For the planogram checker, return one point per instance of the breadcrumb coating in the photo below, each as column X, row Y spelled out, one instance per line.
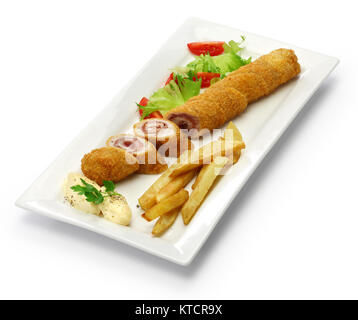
column 229, row 97
column 108, row 164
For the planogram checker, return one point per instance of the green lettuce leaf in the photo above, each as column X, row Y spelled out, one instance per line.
column 224, row 63
column 172, row 95
column 188, row 87
column 233, row 46
column 228, row 62
column 203, row 63
column 184, row 86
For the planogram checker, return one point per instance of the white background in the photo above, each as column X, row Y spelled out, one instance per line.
column 291, row 233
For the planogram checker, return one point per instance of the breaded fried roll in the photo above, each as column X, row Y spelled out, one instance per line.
column 231, row 101
column 229, row 97
column 150, row 162
column 251, row 85
column 108, row 164
column 276, row 68
column 165, row 135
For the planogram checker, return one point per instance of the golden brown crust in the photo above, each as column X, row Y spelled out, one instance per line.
column 270, row 75
column 285, row 62
column 215, row 116
column 155, row 168
column 108, row 164
column 209, row 113
column 251, row 85
column 276, row 68
column 229, row 97
column 231, row 101
column 151, row 162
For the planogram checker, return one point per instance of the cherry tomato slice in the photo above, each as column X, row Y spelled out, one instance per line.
column 171, row 77
column 206, row 78
column 214, row 48
column 155, row 114
column 144, row 101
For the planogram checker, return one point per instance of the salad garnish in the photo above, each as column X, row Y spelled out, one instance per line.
column 213, row 47
column 211, row 65
column 174, row 94
column 143, row 103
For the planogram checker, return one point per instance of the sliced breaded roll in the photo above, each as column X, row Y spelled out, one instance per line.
column 276, row 68
column 250, row 84
column 285, row 62
column 108, row 164
column 164, row 135
column 231, row 100
column 271, row 76
column 229, row 97
column 150, row 162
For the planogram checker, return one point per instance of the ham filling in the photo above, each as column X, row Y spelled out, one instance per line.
column 130, row 144
column 157, row 128
column 184, row 120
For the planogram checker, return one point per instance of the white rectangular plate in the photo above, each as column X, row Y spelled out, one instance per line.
column 261, row 125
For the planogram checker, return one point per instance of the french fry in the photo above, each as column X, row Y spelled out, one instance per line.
column 175, row 185
column 165, row 222
column 231, row 132
column 168, row 204
column 149, row 197
column 183, row 168
column 206, row 154
column 196, row 198
column 236, row 157
column 199, row 176
column 232, row 160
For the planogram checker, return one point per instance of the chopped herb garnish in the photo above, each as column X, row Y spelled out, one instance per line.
column 94, row 195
